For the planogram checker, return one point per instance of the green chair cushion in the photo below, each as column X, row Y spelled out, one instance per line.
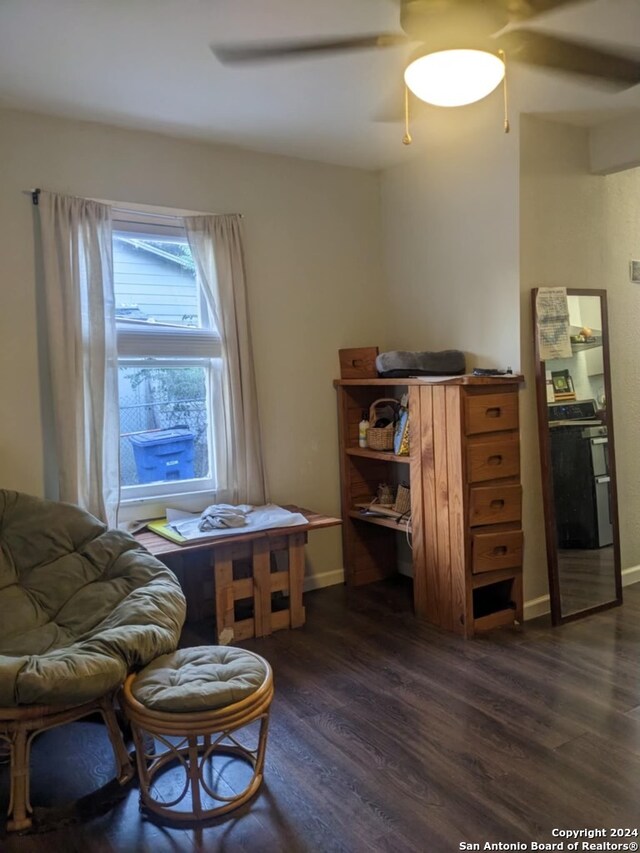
column 201, row 678
column 81, row 606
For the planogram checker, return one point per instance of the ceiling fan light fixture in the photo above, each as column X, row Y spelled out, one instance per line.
column 453, row 78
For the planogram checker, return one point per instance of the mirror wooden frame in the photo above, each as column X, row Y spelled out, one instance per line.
column 545, row 462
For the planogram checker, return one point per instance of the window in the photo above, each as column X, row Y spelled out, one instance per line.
column 168, row 359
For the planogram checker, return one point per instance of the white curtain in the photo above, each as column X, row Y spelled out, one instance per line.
column 81, row 330
column 216, row 246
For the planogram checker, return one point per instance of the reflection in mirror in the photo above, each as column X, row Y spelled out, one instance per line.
column 576, row 446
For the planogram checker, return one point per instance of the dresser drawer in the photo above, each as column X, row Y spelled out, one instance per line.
column 493, row 551
column 495, row 504
column 491, row 460
column 490, row 412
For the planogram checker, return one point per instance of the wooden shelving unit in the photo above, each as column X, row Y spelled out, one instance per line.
column 381, row 455
column 391, row 523
column 466, row 498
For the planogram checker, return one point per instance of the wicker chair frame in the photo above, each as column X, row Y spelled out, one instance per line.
column 21, row 724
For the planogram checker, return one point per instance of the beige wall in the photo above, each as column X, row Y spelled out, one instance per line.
column 580, row 230
column 473, row 214
column 560, row 242
column 450, row 224
column 314, row 270
column 613, row 145
column 620, row 243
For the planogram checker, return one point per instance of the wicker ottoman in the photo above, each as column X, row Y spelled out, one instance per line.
column 197, row 705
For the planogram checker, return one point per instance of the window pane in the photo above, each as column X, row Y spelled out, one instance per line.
column 155, row 281
column 164, row 429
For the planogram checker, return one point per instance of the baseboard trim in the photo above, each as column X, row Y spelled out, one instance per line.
column 631, row 575
column 540, row 606
column 536, row 607
column 532, row 609
column 323, row 579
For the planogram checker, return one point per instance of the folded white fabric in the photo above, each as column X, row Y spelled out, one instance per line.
column 218, row 516
column 258, row 518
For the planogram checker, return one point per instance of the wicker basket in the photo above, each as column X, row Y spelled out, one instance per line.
column 403, row 499
column 380, row 438
column 384, row 495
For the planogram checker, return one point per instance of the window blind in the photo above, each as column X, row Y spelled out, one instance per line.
column 158, row 340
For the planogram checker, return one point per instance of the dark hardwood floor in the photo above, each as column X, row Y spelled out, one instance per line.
column 387, row 735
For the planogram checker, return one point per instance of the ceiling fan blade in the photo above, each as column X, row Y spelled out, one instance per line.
column 247, row 53
column 536, row 48
column 520, row 10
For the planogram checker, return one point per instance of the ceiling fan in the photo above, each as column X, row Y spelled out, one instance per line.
column 438, row 25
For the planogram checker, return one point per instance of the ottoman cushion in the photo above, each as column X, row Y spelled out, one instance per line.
column 201, row 678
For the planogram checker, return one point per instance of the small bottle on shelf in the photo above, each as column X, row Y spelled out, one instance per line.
column 363, row 426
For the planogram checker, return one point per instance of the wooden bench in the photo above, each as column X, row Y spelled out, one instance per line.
column 249, row 554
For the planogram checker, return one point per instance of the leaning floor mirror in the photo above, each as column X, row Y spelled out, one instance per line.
column 573, row 387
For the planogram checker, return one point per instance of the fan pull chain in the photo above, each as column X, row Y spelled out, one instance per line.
column 505, row 92
column 406, row 139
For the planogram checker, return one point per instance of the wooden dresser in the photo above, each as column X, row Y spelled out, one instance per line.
column 466, row 497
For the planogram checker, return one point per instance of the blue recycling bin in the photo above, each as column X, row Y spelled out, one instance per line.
column 164, row 454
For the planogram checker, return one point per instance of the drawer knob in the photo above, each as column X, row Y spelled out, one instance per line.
column 500, row 550
column 498, row 503
column 493, row 412
column 495, row 460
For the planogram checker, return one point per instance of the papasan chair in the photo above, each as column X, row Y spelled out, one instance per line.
column 81, row 606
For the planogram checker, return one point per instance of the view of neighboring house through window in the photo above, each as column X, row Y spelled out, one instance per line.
column 167, row 352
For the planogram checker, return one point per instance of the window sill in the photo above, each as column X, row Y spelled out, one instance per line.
column 151, row 507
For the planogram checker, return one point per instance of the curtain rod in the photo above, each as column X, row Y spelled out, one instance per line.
column 143, row 212
column 164, row 215
column 35, row 196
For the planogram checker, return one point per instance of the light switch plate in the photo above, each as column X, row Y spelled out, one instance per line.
column 634, row 271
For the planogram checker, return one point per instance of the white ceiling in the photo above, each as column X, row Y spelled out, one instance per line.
column 147, row 64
